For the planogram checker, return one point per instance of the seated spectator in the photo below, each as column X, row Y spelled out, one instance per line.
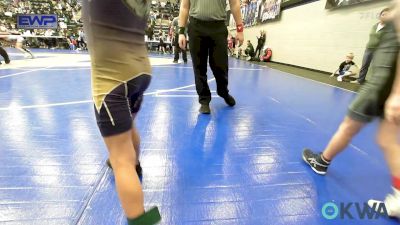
column 266, row 57
column 346, row 68
column 249, row 52
column 65, row 10
column 74, row 43
column 71, row 44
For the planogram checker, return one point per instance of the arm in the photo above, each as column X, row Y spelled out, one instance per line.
column 183, row 18
column 341, row 66
column 336, row 71
column 235, row 10
column 184, row 13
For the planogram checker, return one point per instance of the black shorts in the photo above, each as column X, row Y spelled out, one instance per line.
column 115, row 115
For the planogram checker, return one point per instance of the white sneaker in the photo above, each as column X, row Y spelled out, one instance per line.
column 392, row 204
column 340, row 78
column 354, row 82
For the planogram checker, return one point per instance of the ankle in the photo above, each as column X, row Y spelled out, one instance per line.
column 325, row 159
column 147, row 218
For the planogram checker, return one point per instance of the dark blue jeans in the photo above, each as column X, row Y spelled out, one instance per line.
column 368, row 56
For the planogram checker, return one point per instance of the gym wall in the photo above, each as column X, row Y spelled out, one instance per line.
column 313, row 37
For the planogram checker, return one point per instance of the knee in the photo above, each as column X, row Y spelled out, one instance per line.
column 350, row 127
column 118, row 161
column 121, row 151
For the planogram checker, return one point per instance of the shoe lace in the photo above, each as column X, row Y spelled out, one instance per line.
column 312, row 161
column 315, row 163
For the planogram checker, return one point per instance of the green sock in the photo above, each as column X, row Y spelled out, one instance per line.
column 150, row 217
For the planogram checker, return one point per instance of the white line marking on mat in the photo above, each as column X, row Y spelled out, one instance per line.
column 91, row 101
column 29, row 71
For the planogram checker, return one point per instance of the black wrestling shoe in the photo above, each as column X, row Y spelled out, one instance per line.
column 229, row 100
column 205, row 109
column 315, row 161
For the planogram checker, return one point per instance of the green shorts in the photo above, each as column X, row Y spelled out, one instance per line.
column 372, row 96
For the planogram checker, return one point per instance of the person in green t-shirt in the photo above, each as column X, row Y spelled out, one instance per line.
column 374, row 38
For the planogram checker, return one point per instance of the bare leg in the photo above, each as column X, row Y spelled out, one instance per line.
column 136, row 140
column 345, row 133
column 346, row 74
column 123, row 159
column 388, row 140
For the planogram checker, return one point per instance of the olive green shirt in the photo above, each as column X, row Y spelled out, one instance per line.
column 372, row 96
column 375, row 36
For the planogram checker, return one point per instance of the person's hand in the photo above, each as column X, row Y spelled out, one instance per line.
column 240, row 38
column 392, row 109
column 182, row 41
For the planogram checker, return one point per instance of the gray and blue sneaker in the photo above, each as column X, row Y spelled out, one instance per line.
column 315, row 161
